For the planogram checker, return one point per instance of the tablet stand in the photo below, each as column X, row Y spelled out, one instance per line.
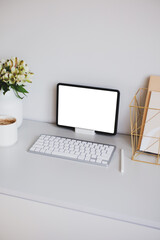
column 84, row 131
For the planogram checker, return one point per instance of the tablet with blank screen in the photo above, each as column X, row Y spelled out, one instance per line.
column 88, row 108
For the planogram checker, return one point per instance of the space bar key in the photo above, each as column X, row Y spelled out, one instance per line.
column 62, row 154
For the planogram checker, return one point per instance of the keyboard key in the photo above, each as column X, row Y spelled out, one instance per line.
column 104, row 162
column 32, row 149
column 68, row 155
column 99, row 159
column 92, row 160
column 108, row 155
column 87, row 159
column 81, row 157
column 48, row 151
column 37, row 149
column 42, row 150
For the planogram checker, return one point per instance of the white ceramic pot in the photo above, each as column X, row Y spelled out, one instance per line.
column 11, row 105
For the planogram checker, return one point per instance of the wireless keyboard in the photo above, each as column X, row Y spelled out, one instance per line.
column 77, row 150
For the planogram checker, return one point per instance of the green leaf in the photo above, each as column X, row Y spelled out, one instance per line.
column 17, row 95
column 4, row 86
column 29, row 81
column 21, row 89
column 18, row 89
column 8, row 69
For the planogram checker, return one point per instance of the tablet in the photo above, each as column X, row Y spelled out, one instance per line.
column 85, row 107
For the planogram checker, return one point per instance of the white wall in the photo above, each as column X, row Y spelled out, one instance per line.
column 105, row 43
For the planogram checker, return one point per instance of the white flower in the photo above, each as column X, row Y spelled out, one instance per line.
column 9, row 63
column 10, row 75
column 6, row 75
column 21, row 77
column 11, row 81
column 26, row 68
column 3, row 71
column 28, row 76
column 12, row 69
column 16, row 71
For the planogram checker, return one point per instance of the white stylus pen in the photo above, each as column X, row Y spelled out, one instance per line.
column 122, row 161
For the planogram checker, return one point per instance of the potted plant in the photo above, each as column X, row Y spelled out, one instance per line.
column 14, row 74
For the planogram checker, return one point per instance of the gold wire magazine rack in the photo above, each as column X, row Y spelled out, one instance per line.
column 137, row 111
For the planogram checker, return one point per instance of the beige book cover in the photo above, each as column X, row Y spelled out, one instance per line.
column 151, row 134
column 154, row 85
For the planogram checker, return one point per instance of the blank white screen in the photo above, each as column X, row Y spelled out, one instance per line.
column 86, row 108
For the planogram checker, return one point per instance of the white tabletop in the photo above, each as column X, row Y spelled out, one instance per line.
column 133, row 197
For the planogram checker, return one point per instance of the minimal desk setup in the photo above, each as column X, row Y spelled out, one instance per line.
column 124, row 193
column 132, row 197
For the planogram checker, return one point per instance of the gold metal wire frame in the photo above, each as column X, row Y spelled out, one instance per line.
column 137, row 109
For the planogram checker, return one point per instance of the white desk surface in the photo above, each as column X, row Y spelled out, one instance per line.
column 133, row 197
